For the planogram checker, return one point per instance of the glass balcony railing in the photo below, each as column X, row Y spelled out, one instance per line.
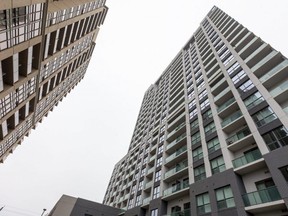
column 176, row 188
column 238, row 135
column 279, row 89
column 231, row 118
column 178, row 139
column 226, row 104
column 180, row 166
column 266, row 120
column 247, row 158
column 176, row 129
column 274, row 70
column 185, row 212
column 146, row 200
column 148, row 184
column 221, row 94
column 150, row 170
column 261, row 196
column 176, row 153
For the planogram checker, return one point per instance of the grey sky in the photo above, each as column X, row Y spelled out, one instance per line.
column 75, row 149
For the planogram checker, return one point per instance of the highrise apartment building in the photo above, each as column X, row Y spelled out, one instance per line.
column 211, row 136
column 45, row 49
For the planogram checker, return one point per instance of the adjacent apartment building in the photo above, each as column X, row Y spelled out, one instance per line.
column 45, row 49
column 211, row 136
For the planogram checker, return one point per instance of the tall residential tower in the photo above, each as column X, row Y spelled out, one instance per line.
column 45, row 48
column 211, row 136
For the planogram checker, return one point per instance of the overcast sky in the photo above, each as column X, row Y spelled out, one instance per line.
column 74, row 150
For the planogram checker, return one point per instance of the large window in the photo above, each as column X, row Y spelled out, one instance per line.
column 199, row 173
column 253, row 100
column 204, row 104
column 156, row 192
column 276, row 138
column 224, row 197
column 284, row 171
column 238, row 76
column 264, row 116
column 154, row 212
column 213, row 145
column 138, row 200
column 210, row 128
column 140, row 186
column 197, row 154
column 159, row 161
column 203, row 203
column 158, row 176
column 246, row 86
column 218, row 165
column 233, row 68
column 195, row 138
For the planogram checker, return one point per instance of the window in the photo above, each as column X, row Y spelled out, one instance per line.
column 213, row 145
column 228, row 60
column 203, row 203
column 158, row 176
column 133, row 189
column 197, row 154
column 217, row 165
column 191, row 94
column 140, row 186
column 276, row 138
column 199, row 173
column 161, row 138
column 195, row 138
column 160, row 149
column 253, row 100
column 159, row 162
column 246, row 86
column 238, row 76
column 193, row 113
column 194, row 124
column 264, row 116
column 233, row 68
column 156, row 192
column 138, row 200
column 192, row 103
column 284, row 171
column 130, row 204
column 200, row 85
column 207, row 115
column 202, row 94
column 142, row 172
column 145, row 160
column 209, row 129
column 154, row 212
column 204, row 104
column 224, row 197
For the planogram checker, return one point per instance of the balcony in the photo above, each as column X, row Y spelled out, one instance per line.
column 280, row 92
column 225, row 105
column 261, row 196
column 178, row 152
column 238, row 135
column 146, row 201
column 175, row 142
column 148, row 185
column 220, row 95
column 277, row 69
column 179, row 190
column 231, row 118
column 176, row 170
column 177, row 129
column 248, row 162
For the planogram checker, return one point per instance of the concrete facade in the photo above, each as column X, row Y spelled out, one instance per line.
column 211, row 136
column 45, row 47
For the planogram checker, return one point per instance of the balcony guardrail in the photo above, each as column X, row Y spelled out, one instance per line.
column 176, row 153
column 176, row 188
column 148, row 184
column 231, row 118
column 247, row 158
column 226, row 104
column 282, row 87
column 261, row 196
column 176, row 129
column 178, row 139
column 180, row 166
column 266, row 120
column 238, row 135
column 146, row 200
column 221, row 94
column 274, row 70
